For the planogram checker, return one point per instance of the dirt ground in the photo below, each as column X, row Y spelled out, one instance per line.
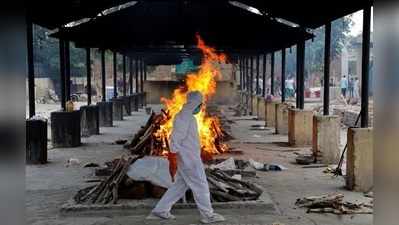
column 51, row 185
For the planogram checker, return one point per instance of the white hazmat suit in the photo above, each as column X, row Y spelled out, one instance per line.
column 190, row 173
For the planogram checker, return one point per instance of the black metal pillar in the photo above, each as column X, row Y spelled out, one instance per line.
column 103, row 75
column 327, row 49
column 145, row 70
column 62, row 73
column 115, row 80
column 300, row 73
column 31, row 68
column 141, row 76
column 257, row 74
column 283, row 75
column 247, row 84
column 272, row 74
column 130, row 76
column 124, row 75
column 240, row 66
column 67, row 71
column 136, row 67
column 365, row 68
column 251, row 84
column 88, row 74
column 264, row 75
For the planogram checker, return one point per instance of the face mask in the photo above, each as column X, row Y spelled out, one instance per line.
column 197, row 110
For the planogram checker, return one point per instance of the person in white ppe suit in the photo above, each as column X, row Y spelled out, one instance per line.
column 190, row 173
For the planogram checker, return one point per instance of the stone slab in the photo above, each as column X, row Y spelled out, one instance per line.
column 300, row 127
column 359, row 159
column 326, row 139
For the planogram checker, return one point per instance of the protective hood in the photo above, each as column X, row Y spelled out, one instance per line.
column 194, row 99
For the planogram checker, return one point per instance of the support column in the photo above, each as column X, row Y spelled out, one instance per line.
column 67, row 71
column 104, row 107
column 115, row 71
column 141, row 76
column 130, row 76
column 137, row 75
column 88, row 75
column 300, row 73
column 241, row 74
column 62, row 73
column 31, row 69
column 257, row 75
column 251, row 85
column 272, row 75
column 124, row 75
column 264, row 75
column 103, row 78
column 365, row 67
column 327, row 49
column 283, row 75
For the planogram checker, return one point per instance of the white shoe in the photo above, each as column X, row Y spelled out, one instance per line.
column 214, row 218
column 160, row 215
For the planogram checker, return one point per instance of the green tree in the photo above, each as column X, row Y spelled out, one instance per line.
column 314, row 53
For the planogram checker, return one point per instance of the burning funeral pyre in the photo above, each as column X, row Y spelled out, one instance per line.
column 153, row 140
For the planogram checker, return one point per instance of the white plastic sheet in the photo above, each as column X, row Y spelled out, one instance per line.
column 152, row 169
column 227, row 164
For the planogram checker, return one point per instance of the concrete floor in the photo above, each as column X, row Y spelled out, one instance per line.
column 49, row 186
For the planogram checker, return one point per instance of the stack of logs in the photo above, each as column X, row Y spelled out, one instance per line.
column 146, row 142
column 107, row 190
column 224, row 188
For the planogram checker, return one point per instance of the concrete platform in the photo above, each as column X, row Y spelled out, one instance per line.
column 89, row 120
column 270, row 113
column 36, row 141
column 134, row 105
column 300, row 127
column 143, row 207
column 326, row 139
column 65, row 129
column 359, row 166
column 281, row 125
column 105, row 114
column 127, row 110
column 117, row 109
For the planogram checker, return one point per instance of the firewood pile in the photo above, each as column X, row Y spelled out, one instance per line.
column 333, row 203
column 224, row 188
column 147, row 142
column 107, row 190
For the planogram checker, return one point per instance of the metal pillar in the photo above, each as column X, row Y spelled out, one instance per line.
column 31, row 68
column 130, row 76
column 251, row 84
column 67, row 71
column 145, row 70
column 115, row 80
column 141, row 76
column 257, row 74
column 240, row 65
column 365, row 67
column 88, row 75
column 272, row 74
column 103, row 75
column 283, row 75
column 327, row 59
column 300, row 73
column 136, row 67
column 62, row 73
column 124, row 75
column 264, row 75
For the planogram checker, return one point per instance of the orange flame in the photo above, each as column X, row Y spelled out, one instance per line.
column 203, row 81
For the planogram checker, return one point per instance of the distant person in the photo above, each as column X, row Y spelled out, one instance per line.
column 344, row 86
column 350, row 87
column 289, row 87
column 356, row 88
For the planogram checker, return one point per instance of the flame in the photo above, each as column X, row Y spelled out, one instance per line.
column 204, row 81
